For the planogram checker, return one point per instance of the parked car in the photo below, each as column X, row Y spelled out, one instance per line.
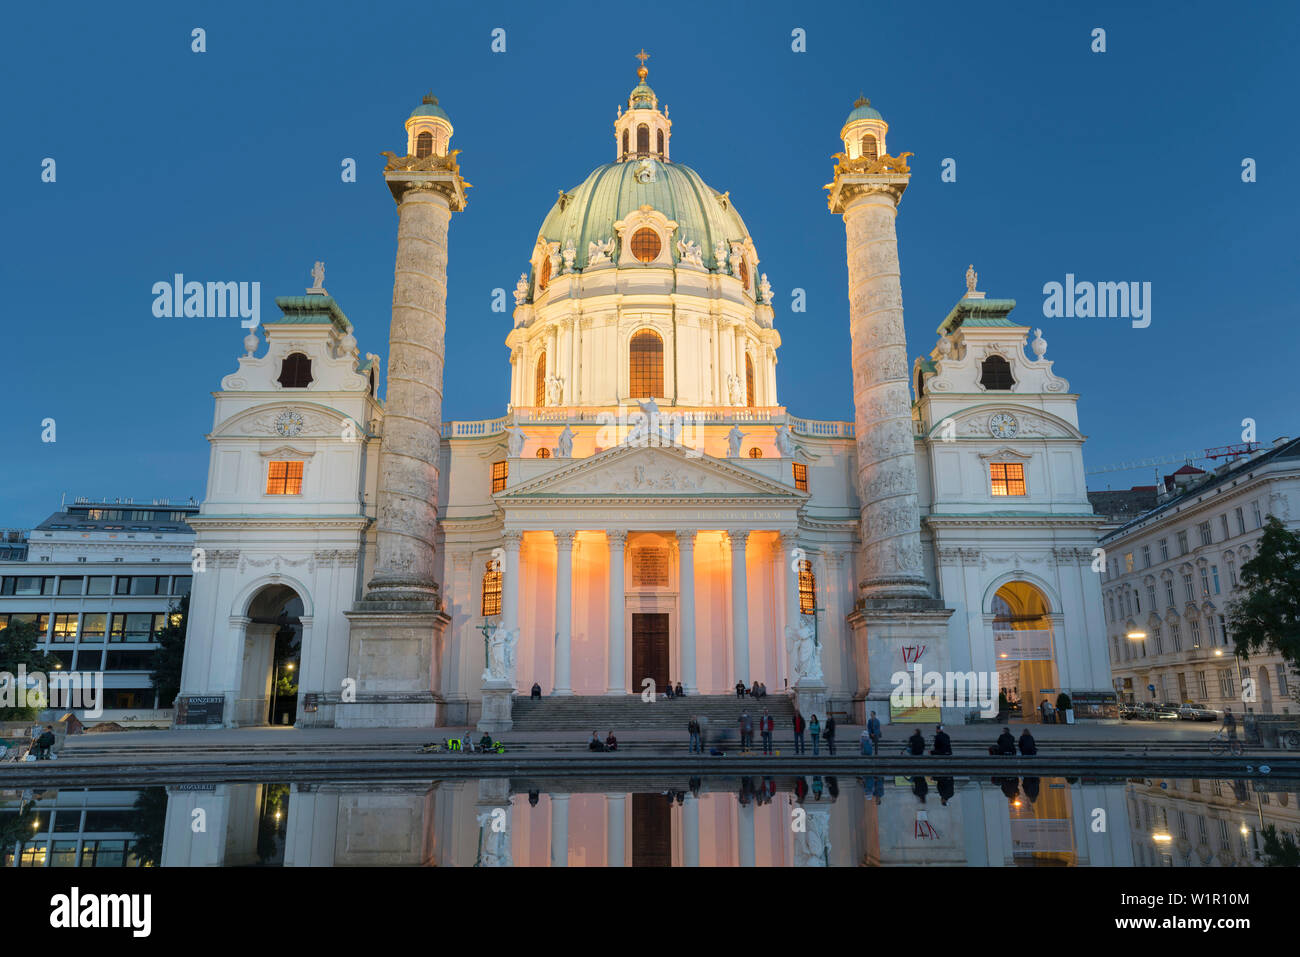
column 1165, row 712
column 1128, row 712
column 1197, row 712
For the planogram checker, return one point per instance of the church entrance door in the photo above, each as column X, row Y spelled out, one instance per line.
column 651, row 829
column 649, row 650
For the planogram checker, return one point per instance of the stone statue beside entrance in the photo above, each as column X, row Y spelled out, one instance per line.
column 501, row 654
column 804, row 654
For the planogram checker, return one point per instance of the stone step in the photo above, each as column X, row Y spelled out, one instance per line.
column 597, row 712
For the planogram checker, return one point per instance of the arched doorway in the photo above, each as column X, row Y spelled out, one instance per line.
column 268, row 687
column 1023, row 648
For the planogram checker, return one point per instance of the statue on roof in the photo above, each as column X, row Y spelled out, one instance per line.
column 971, row 278
column 318, row 280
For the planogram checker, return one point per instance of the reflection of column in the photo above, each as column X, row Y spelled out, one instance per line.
column 686, row 627
column 617, row 602
column 559, row 830
column 510, row 585
column 739, row 605
column 745, row 834
column 563, row 611
column 691, row 832
column 616, row 809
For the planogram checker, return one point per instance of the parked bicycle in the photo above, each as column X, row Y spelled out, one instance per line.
column 1221, row 745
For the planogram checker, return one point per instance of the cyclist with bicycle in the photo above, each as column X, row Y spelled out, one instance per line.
column 1229, row 725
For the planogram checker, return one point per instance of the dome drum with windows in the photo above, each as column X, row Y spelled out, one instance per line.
column 643, row 248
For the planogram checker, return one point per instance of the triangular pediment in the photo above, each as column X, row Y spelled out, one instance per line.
column 639, row 472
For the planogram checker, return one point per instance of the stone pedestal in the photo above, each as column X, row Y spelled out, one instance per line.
column 393, row 658
column 498, row 695
column 891, row 636
column 810, row 699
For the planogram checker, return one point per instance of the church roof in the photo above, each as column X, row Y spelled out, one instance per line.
column 309, row 311
column 612, row 191
column 430, row 107
column 978, row 312
column 863, row 110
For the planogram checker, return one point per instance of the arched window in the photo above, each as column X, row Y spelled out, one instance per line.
column 660, row 139
column 625, row 144
column 295, row 371
column 424, row 144
column 372, row 380
column 539, row 381
column 544, row 274
column 492, row 590
column 645, row 364
column 995, row 374
column 920, row 383
column 642, row 140
column 807, row 589
column 749, row 381
column 646, row 245
column 869, row 150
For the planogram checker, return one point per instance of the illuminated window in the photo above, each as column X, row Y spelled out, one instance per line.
column 539, row 381
column 642, row 139
column 800, row 476
column 807, row 589
column 543, row 453
column 660, row 142
column 646, row 245
column 424, row 144
column 1008, row 478
column 492, row 590
column 544, row 273
column 995, row 374
column 749, row 381
column 645, row 361
column 284, row 478
column 869, row 150
column 499, row 470
column 756, row 453
column 295, row 371
column 744, row 273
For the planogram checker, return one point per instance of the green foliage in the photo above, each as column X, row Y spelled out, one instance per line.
column 1280, row 849
column 149, row 818
column 170, row 656
column 1062, row 702
column 18, row 648
column 1267, row 616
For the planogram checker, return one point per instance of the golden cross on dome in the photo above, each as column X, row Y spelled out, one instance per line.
column 643, row 56
column 641, row 71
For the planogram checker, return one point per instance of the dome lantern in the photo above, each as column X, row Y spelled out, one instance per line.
column 428, row 131
column 864, row 132
column 642, row 131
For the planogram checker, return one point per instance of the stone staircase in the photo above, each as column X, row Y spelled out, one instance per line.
column 587, row 713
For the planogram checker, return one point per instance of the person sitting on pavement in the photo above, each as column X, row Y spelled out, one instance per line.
column 1027, row 743
column 740, row 689
column 611, row 742
column 44, row 742
column 465, row 743
column 1006, row 743
column 942, row 743
column 537, row 691
column 753, row 692
column 595, row 744
column 865, row 741
column 485, row 742
column 677, row 691
column 668, row 692
column 916, row 743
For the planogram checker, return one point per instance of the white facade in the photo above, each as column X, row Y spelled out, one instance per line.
column 1171, row 573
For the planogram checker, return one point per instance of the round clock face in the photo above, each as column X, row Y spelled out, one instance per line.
column 289, row 422
column 1003, row 425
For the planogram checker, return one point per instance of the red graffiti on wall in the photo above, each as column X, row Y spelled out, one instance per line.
column 912, row 653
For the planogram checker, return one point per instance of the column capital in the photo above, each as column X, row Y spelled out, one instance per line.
column 617, row 537
column 789, row 538
column 686, row 537
column 564, row 538
column 738, row 538
column 513, row 538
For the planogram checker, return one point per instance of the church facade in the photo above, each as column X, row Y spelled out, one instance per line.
column 645, row 511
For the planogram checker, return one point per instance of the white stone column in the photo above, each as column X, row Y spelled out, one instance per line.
column 739, row 605
column 739, row 329
column 686, row 626
column 559, row 830
column 617, row 606
column 615, row 815
column 745, row 833
column 719, row 396
column 691, row 832
column 563, row 611
column 890, row 519
column 789, row 542
column 510, row 580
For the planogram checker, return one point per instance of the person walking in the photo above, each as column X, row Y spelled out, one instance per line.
column 829, row 734
column 693, row 729
column 873, row 729
column 942, row 743
column 799, row 726
column 1229, row 724
column 865, row 742
column 746, row 730
column 766, row 725
column 815, row 729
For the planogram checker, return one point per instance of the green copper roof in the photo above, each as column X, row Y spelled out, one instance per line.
column 862, row 110
column 978, row 312
column 588, row 211
column 430, row 107
column 310, row 310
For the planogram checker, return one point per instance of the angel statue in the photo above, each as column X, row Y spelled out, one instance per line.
column 599, row 252
column 690, row 252
column 501, row 654
column 803, row 652
column 521, row 289
column 734, row 438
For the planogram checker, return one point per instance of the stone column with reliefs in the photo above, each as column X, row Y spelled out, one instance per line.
column 396, row 627
column 897, row 607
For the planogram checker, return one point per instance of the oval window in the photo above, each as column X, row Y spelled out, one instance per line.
column 646, row 245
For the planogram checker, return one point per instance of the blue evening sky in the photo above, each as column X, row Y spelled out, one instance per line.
column 1122, row 166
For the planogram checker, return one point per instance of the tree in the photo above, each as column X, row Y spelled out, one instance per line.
column 148, row 821
column 1267, row 616
column 1280, row 848
column 167, row 660
column 18, row 649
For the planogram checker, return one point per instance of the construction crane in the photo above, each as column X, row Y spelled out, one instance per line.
column 1187, row 458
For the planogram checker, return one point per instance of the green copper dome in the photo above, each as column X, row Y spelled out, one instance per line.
column 588, row 212
column 430, row 107
column 862, row 110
